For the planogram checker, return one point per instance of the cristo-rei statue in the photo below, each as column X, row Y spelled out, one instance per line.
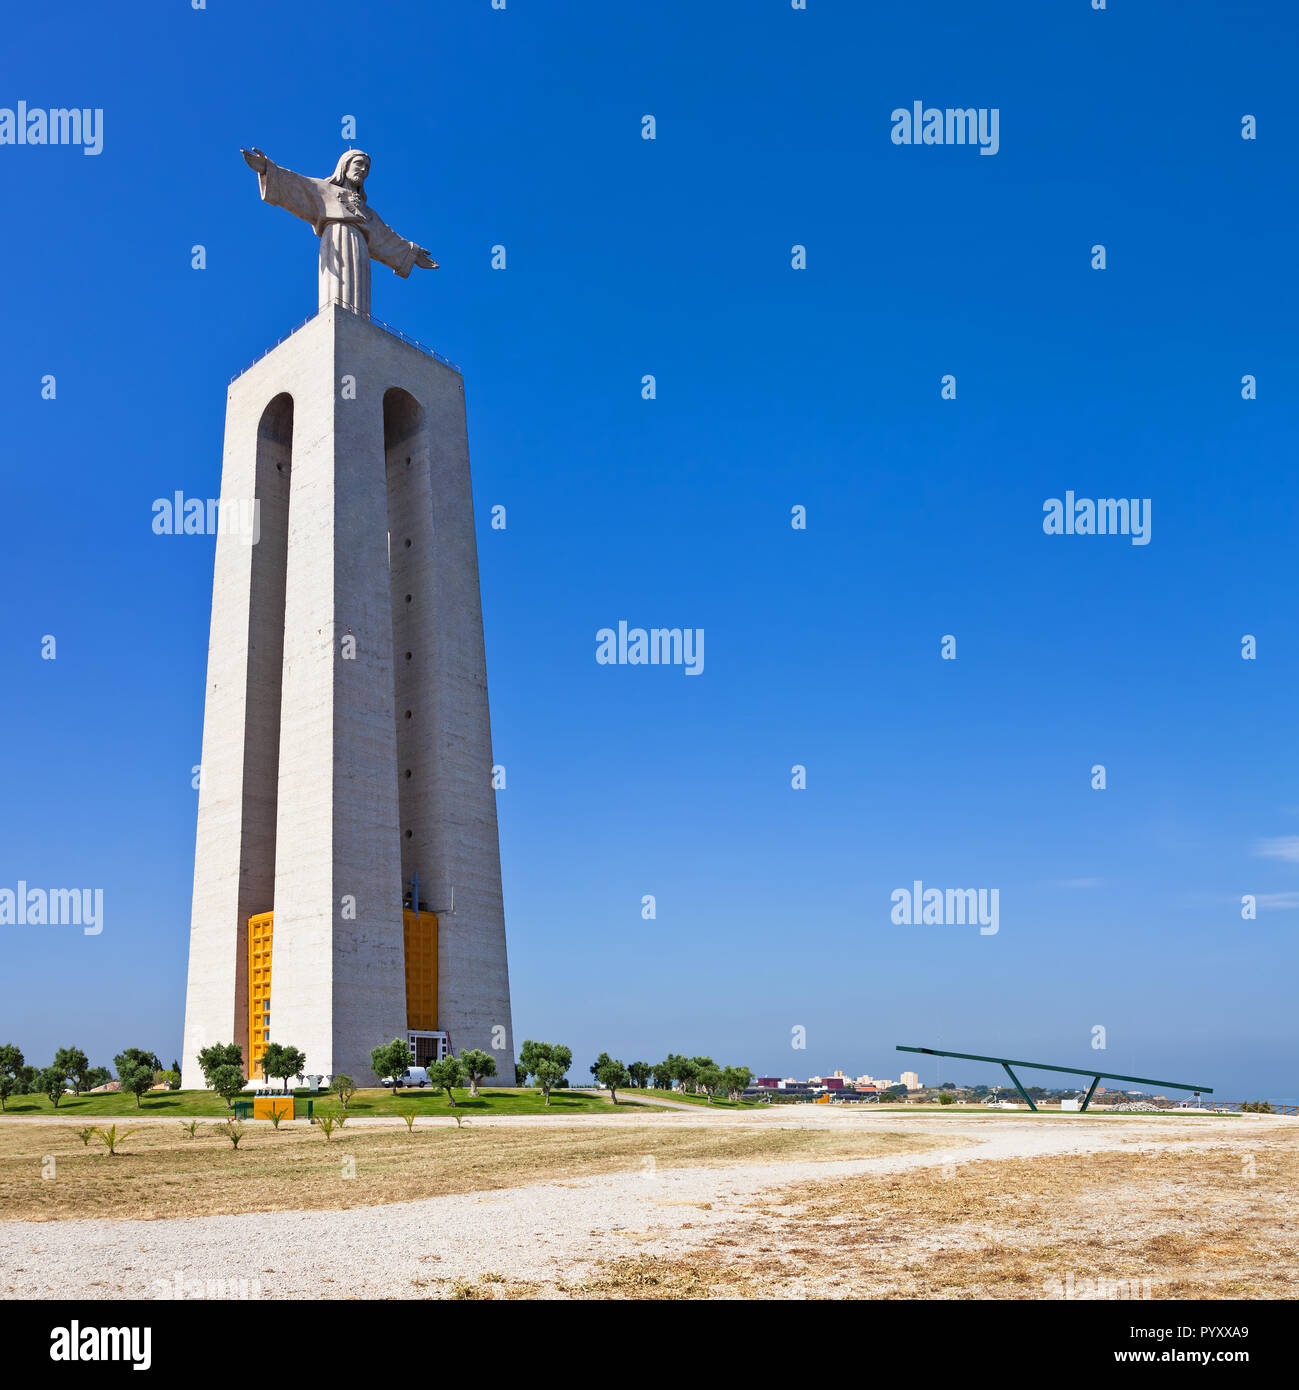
column 351, row 233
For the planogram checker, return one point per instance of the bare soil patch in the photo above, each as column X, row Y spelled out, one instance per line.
column 1215, row 1221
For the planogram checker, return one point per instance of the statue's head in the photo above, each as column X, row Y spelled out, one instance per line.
column 351, row 169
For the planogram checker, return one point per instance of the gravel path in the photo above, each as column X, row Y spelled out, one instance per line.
column 540, row 1233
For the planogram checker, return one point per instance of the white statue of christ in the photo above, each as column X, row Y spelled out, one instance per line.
column 351, row 233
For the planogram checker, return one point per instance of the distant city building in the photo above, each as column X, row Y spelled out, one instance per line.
column 911, row 1081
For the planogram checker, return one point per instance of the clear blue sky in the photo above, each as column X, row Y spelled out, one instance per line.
column 1118, row 908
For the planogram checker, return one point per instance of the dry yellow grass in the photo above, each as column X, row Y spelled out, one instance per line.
column 159, row 1173
column 1215, row 1223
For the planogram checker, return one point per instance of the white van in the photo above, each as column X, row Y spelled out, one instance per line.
column 412, row 1076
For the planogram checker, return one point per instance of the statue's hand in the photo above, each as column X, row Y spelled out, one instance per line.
column 254, row 159
column 423, row 259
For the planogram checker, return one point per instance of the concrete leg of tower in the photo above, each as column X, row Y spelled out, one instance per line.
column 359, row 753
column 448, row 807
column 234, row 866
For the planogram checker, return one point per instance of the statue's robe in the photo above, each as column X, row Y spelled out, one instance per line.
column 350, row 232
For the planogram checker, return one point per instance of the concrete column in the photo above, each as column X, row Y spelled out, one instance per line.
column 379, row 444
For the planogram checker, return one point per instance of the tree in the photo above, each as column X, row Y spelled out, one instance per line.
column 284, row 1061
column 612, row 1074
column 520, row 1074
column 137, row 1079
column 74, row 1064
column 175, row 1066
column 946, row 1098
column 686, row 1073
column 391, row 1060
column 477, row 1065
column 344, row 1088
column 734, row 1080
column 226, row 1080
column 139, row 1057
column 639, row 1073
column 50, row 1082
column 172, row 1078
column 11, row 1070
column 210, row 1060
column 700, row 1063
column 709, row 1080
column 447, row 1074
column 28, row 1079
column 548, row 1062
column 549, row 1077
column 662, row 1075
column 98, row 1076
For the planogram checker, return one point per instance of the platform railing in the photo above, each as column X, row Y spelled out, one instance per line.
column 378, row 323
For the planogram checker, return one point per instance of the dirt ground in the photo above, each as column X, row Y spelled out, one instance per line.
column 806, row 1204
column 48, row 1174
column 1193, row 1220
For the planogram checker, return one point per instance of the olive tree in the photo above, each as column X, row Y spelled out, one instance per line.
column 478, row 1066
column 391, row 1060
column 136, row 1080
column 548, row 1062
column 447, row 1074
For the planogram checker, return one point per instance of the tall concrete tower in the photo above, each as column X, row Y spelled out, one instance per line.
column 347, row 882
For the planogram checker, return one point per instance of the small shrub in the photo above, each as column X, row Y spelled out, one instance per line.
column 110, row 1137
column 189, row 1127
column 409, row 1116
column 85, row 1135
column 464, row 1289
column 276, row 1116
column 232, row 1129
column 326, row 1123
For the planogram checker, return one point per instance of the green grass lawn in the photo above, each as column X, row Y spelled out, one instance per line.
column 720, row 1104
column 204, row 1104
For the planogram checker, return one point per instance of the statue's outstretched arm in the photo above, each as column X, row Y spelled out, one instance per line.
column 390, row 249
column 282, row 188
